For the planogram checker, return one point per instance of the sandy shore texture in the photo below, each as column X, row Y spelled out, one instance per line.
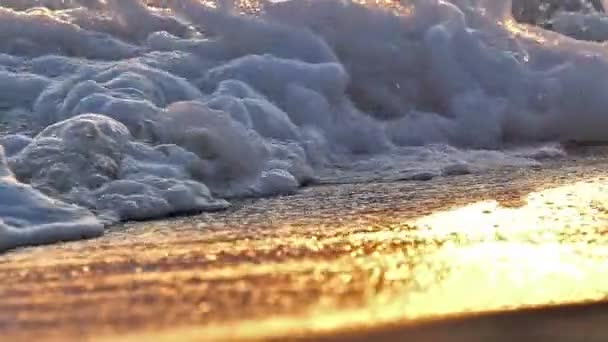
column 467, row 258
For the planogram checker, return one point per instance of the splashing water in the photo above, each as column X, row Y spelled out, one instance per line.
column 123, row 109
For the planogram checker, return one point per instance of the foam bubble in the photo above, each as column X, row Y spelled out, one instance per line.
column 92, row 160
column 27, row 217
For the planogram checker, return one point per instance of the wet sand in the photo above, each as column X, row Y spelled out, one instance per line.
column 425, row 261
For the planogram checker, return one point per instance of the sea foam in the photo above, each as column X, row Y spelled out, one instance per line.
column 123, row 110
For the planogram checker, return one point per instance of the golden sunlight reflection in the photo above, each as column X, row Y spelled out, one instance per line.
column 524, row 31
column 552, row 249
column 547, row 216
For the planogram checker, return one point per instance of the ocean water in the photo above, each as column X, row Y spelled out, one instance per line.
column 127, row 109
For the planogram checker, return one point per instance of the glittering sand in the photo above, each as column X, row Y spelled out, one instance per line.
column 468, row 258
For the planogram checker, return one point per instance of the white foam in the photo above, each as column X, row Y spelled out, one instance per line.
column 28, row 217
column 92, row 160
column 593, row 27
column 138, row 112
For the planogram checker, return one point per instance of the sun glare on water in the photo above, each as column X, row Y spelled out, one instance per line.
column 549, row 248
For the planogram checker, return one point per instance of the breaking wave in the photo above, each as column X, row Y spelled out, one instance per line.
column 123, row 109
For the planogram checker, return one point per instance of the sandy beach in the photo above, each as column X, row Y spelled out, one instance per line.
column 467, row 258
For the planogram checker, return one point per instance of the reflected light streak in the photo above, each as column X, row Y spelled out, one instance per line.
column 478, row 258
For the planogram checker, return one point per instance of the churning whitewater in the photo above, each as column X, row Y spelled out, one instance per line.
column 125, row 109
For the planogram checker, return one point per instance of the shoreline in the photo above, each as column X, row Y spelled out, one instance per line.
column 323, row 252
